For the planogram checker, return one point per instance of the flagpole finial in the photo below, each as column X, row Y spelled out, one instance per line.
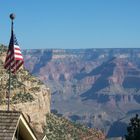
column 12, row 16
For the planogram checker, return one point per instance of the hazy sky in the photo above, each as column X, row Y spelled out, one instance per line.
column 72, row 23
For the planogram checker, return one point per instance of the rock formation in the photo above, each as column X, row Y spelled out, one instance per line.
column 89, row 82
column 28, row 95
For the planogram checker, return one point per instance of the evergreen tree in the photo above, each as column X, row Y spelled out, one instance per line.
column 133, row 129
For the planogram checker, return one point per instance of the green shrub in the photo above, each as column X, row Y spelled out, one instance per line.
column 22, row 97
column 59, row 128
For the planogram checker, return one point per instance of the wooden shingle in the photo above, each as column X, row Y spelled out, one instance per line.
column 8, row 124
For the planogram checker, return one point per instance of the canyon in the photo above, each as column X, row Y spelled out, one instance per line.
column 96, row 87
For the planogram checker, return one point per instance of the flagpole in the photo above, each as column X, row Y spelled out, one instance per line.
column 12, row 17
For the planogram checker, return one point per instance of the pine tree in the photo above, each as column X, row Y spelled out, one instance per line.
column 133, row 129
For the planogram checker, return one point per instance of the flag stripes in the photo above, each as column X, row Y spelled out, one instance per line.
column 14, row 58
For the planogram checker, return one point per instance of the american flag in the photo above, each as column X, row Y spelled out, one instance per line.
column 14, row 58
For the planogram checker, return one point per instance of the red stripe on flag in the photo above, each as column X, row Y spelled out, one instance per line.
column 16, row 66
column 17, row 48
column 8, row 62
column 14, row 58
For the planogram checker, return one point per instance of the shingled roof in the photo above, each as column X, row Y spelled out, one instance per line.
column 8, row 124
column 14, row 125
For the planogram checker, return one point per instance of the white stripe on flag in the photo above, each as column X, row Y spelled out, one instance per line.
column 16, row 46
column 18, row 56
column 17, row 51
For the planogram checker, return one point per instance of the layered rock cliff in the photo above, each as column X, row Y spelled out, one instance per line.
column 98, row 86
column 32, row 97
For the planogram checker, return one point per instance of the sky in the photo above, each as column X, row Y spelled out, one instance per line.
column 72, row 24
